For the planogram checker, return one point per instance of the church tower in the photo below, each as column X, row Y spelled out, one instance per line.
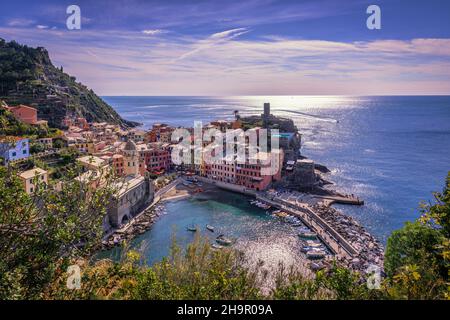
column 131, row 159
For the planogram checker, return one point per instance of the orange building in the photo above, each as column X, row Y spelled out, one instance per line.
column 25, row 114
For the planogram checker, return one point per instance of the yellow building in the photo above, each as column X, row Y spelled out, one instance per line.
column 32, row 178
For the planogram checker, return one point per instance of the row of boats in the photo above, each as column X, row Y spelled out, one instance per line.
column 313, row 248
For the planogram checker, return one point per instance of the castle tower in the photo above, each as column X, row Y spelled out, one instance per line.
column 131, row 159
column 266, row 114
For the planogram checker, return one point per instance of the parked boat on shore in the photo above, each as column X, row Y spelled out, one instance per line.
column 307, row 235
column 216, row 246
column 316, row 254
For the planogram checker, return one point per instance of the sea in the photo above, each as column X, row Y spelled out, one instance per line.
column 391, row 151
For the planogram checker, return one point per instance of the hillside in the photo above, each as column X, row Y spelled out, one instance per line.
column 10, row 126
column 27, row 76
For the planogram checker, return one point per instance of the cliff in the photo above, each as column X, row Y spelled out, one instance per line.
column 27, row 76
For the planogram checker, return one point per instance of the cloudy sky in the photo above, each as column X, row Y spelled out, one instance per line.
column 242, row 47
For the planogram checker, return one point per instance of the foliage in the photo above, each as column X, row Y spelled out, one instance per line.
column 41, row 233
column 417, row 256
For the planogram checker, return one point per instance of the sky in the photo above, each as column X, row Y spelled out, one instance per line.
column 242, row 47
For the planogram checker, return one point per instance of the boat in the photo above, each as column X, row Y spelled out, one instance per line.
column 192, row 228
column 281, row 214
column 297, row 225
column 210, row 228
column 307, row 235
column 313, row 244
column 223, row 240
column 316, row 266
column 316, row 254
column 305, row 249
column 216, row 246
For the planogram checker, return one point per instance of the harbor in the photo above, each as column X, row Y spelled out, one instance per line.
column 322, row 234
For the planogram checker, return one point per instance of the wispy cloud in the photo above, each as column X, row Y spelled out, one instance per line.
column 20, row 22
column 227, row 62
column 40, row 26
column 213, row 40
column 154, row 32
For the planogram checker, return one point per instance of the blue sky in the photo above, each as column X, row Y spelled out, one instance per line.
column 242, row 47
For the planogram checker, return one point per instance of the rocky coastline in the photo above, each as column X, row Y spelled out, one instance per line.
column 371, row 251
column 137, row 226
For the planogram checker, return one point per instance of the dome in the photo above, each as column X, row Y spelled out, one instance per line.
column 130, row 146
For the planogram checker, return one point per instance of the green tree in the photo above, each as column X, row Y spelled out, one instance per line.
column 41, row 233
column 417, row 256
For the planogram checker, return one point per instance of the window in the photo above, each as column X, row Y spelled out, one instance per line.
column 14, row 154
column 24, row 151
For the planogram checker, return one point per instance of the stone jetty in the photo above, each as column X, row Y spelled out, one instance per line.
column 370, row 250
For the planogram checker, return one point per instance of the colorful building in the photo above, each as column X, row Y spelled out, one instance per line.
column 25, row 114
column 14, row 148
column 33, row 178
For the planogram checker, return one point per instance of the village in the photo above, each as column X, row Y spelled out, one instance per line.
column 149, row 166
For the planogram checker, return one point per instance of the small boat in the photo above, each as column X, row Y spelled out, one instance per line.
column 316, row 266
column 281, row 214
column 223, row 240
column 216, row 246
column 297, row 224
column 210, row 228
column 307, row 235
column 305, row 249
column 313, row 244
column 316, row 254
column 192, row 228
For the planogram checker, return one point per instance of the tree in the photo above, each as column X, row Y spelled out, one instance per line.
column 42, row 232
column 417, row 256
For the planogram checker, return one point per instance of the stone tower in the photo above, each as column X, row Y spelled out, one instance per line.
column 131, row 159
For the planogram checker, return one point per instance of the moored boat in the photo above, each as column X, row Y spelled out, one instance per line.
column 316, row 254
column 210, row 228
column 307, row 235
column 223, row 240
column 192, row 228
column 316, row 266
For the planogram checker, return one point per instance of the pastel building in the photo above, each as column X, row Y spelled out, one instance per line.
column 118, row 164
column 33, row 178
column 157, row 157
column 256, row 173
column 14, row 148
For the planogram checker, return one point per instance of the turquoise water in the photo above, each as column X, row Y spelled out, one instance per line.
column 393, row 152
column 262, row 236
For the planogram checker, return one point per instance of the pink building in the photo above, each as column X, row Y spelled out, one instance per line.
column 157, row 159
column 118, row 164
column 257, row 176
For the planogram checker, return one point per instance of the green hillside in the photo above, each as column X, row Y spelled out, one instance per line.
column 27, row 76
